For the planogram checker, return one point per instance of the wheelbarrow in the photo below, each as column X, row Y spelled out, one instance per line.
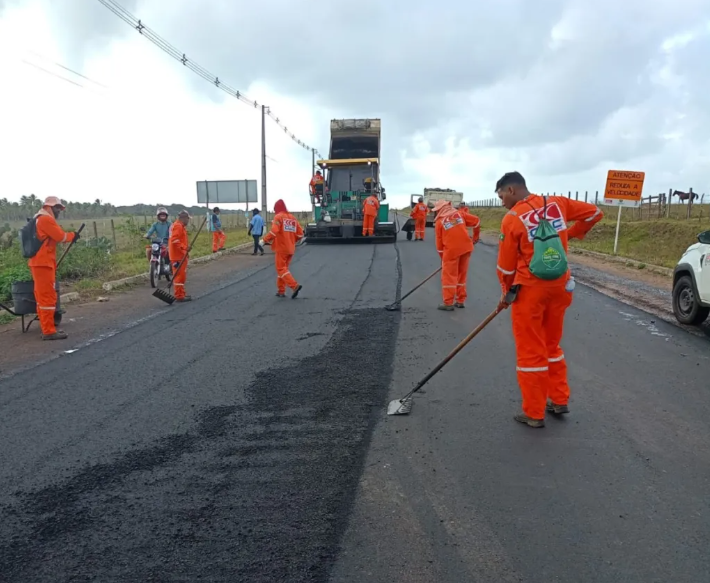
column 23, row 296
column 24, row 304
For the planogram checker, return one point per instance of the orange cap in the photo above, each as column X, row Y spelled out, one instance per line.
column 440, row 204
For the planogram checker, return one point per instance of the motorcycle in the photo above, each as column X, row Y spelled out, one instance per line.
column 159, row 262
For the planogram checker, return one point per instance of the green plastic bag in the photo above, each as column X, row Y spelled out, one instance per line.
column 549, row 260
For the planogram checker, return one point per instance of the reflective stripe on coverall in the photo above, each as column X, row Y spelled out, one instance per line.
column 539, row 310
column 43, row 267
column 370, row 208
column 177, row 249
column 285, row 231
column 455, row 246
column 419, row 213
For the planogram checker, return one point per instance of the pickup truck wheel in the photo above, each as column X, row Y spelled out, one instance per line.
column 686, row 308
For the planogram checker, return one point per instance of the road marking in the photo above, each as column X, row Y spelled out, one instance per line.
column 649, row 325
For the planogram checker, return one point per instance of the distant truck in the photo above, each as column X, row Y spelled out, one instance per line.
column 432, row 195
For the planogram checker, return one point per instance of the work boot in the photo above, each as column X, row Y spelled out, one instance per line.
column 58, row 335
column 556, row 409
column 459, row 305
column 529, row 421
column 294, row 295
column 280, row 295
column 445, row 308
column 184, row 299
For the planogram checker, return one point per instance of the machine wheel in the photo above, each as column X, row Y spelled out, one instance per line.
column 409, row 235
column 686, row 308
column 154, row 274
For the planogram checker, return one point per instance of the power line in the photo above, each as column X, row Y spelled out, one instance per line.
column 161, row 43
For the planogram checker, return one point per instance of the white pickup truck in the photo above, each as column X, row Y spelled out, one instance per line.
column 691, row 283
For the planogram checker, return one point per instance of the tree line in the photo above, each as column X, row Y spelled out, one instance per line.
column 28, row 205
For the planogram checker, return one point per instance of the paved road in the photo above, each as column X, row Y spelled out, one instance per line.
column 257, row 445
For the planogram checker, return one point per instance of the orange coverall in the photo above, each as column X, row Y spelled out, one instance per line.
column 539, row 310
column 43, row 267
column 370, row 208
column 419, row 213
column 177, row 249
column 316, row 180
column 455, row 246
column 285, row 231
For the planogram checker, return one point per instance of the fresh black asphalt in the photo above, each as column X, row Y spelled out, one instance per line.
column 253, row 445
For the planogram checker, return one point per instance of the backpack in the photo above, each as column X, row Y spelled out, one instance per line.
column 29, row 242
column 549, row 260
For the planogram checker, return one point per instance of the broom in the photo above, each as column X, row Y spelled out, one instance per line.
column 398, row 304
column 164, row 294
column 404, row 405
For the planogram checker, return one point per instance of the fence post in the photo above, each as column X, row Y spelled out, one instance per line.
column 596, row 197
column 690, row 202
column 96, row 232
column 585, row 196
column 113, row 234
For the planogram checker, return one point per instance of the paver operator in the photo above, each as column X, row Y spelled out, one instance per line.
column 177, row 249
column 539, row 309
column 419, row 213
column 43, row 265
column 370, row 208
column 285, row 231
column 455, row 246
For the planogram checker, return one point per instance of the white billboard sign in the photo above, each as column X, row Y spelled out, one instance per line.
column 226, row 191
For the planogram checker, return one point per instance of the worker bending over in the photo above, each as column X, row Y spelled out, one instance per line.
column 43, row 265
column 285, row 231
column 539, row 310
column 370, row 208
column 218, row 237
column 419, row 213
column 455, row 246
column 177, row 250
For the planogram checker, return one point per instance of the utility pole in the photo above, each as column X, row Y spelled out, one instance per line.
column 313, row 171
column 263, row 162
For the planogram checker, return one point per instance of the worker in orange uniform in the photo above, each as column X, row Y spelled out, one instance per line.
column 464, row 209
column 455, row 246
column 539, row 309
column 219, row 239
column 316, row 186
column 43, row 265
column 419, row 213
column 285, row 232
column 370, row 208
column 177, row 249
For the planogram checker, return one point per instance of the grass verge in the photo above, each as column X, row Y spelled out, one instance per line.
column 655, row 242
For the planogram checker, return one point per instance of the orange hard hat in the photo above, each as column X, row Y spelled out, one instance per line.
column 53, row 201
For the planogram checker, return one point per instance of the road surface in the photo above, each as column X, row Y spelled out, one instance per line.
column 242, row 437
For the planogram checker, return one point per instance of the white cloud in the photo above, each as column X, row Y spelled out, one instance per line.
column 561, row 93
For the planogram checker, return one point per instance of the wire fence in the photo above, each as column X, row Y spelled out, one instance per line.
column 671, row 205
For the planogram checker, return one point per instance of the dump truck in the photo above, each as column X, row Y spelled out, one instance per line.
column 351, row 174
column 431, row 195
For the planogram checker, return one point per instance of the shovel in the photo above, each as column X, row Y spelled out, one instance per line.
column 404, row 405
column 398, row 304
column 164, row 294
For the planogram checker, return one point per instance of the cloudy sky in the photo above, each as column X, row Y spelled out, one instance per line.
column 561, row 90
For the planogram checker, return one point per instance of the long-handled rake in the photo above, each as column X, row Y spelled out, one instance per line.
column 398, row 304
column 164, row 294
column 404, row 405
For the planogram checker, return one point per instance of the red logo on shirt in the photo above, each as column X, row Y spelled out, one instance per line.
column 289, row 226
column 451, row 221
column 531, row 219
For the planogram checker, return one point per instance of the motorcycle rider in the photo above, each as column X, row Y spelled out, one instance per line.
column 160, row 229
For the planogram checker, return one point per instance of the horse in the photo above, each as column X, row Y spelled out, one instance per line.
column 683, row 196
